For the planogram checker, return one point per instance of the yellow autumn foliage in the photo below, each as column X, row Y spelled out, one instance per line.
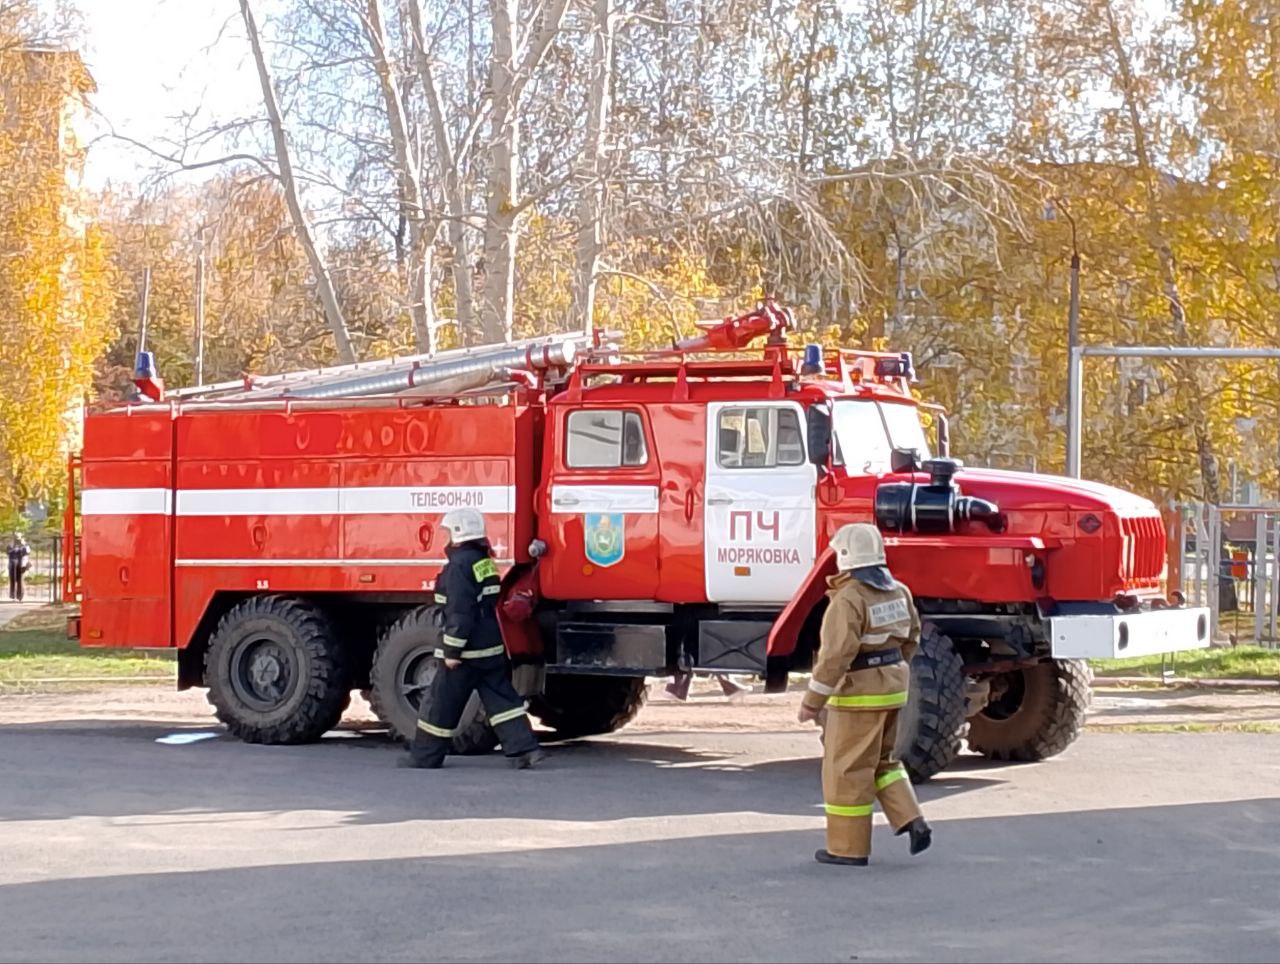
column 56, row 286
column 648, row 290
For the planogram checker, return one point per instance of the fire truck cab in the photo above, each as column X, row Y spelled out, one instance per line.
column 652, row 516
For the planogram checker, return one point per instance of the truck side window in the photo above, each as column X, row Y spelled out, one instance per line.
column 759, row 438
column 605, row 440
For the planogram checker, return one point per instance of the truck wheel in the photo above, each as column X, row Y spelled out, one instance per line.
column 275, row 671
column 930, row 725
column 401, row 674
column 1034, row 713
column 574, row 706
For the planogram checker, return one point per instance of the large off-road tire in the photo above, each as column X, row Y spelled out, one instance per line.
column 276, row 672
column 403, row 668
column 1034, row 713
column 573, row 706
column 931, row 725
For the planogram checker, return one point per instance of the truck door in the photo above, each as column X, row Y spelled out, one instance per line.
column 601, row 506
column 760, row 508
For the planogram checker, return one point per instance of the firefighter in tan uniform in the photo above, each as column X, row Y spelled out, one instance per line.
column 862, row 675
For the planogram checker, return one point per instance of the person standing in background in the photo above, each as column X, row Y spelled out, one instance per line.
column 19, row 553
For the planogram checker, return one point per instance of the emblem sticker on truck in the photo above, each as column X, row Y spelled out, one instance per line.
column 604, row 536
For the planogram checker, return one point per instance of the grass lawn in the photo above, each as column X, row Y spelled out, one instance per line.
column 35, row 647
column 1237, row 662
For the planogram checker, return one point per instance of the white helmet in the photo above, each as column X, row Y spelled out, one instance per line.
column 858, row 545
column 463, row 525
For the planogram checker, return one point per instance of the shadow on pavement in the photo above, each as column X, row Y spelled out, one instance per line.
column 1193, row 883
column 120, row 771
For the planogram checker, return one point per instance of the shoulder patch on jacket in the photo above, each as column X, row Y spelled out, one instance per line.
column 882, row 614
column 483, row 569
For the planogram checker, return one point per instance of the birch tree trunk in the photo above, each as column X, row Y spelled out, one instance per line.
column 498, row 291
column 594, row 186
column 412, row 202
column 449, row 160
column 512, row 64
column 324, row 284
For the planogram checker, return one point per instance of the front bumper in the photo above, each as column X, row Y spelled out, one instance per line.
column 1116, row 635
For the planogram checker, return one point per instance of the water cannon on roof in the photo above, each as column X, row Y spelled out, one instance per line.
column 735, row 333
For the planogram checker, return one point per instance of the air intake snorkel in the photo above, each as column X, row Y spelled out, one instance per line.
column 903, row 507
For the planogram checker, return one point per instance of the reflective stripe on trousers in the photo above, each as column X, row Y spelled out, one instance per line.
column 860, row 810
column 893, row 775
column 506, row 715
column 434, row 730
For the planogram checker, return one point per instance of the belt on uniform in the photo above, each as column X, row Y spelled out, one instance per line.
column 883, row 657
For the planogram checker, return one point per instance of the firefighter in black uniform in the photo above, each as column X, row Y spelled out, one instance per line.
column 473, row 655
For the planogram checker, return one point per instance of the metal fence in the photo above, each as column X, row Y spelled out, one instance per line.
column 1228, row 562
column 43, row 581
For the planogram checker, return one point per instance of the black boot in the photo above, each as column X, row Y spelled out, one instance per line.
column 529, row 760
column 921, row 835
column 825, row 857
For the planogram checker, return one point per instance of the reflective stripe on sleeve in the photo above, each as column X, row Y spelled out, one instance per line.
column 441, row 599
column 439, row 654
column 878, row 701
column 434, row 730
column 483, row 569
column 891, row 776
column 822, row 689
column 506, row 716
column 482, row 653
column 454, row 641
column 490, row 591
column 858, row 810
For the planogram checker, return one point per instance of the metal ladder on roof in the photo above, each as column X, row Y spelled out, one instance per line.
column 443, row 373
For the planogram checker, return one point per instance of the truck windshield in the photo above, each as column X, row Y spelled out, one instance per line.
column 867, row 432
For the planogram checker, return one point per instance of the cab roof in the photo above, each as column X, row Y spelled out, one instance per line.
column 680, row 380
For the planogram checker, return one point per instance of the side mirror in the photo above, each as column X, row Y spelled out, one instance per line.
column 904, row 460
column 818, row 419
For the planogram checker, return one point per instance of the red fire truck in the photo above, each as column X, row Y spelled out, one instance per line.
column 652, row 515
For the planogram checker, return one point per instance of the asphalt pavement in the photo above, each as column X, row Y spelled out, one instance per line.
column 678, row 846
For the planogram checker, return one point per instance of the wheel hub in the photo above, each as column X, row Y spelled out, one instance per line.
column 1007, row 693
column 266, row 670
column 262, row 674
column 417, row 670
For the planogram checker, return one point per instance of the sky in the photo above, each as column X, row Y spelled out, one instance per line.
column 155, row 60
